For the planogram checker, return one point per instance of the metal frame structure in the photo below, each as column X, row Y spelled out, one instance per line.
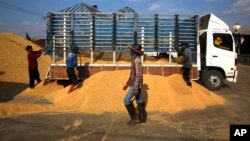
column 84, row 26
column 112, row 32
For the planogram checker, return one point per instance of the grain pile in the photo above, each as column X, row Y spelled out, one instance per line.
column 13, row 58
column 103, row 92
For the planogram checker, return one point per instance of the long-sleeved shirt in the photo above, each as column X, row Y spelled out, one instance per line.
column 136, row 74
column 32, row 59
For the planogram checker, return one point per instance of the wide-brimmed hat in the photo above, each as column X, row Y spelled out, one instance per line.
column 137, row 48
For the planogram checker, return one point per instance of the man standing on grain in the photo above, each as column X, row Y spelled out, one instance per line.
column 33, row 65
column 71, row 63
column 187, row 62
column 135, row 82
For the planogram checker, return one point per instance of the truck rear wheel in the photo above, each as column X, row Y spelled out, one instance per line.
column 213, row 80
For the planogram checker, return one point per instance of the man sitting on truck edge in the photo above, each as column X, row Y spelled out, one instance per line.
column 135, row 82
column 186, row 63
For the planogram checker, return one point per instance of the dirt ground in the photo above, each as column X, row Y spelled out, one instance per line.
column 211, row 123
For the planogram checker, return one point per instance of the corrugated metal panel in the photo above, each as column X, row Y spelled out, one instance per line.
column 159, row 33
column 81, row 7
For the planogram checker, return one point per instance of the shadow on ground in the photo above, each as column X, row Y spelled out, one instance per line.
column 8, row 90
column 209, row 124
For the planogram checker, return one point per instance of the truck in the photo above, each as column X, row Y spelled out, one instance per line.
column 102, row 39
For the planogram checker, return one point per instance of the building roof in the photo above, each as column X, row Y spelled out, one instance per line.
column 242, row 31
column 126, row 10
column 81, row 7
column 245, row 31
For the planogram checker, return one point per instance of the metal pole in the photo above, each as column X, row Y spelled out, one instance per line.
column 49, row 32
column 64, row 38
column 135, row 27
column 53, row 50
column 114, row 38
column 142, row 42
column 176, row 37
column 92, row 38
column 170, row 48
column 156, row 34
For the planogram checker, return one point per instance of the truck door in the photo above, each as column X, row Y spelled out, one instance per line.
column 223, row 53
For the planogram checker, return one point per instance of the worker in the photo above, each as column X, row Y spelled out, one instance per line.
column 218, row 43
column 186, row 63
column 135, row 82
column 71, row 63
column 33, row 65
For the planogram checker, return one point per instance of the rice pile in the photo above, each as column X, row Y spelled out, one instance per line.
column 103, row 92
column 13, row 58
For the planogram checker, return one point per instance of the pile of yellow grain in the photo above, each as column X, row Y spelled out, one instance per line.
column 103, row 92
column 13, row 58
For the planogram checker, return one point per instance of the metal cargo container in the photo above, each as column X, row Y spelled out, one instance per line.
column 110, row 33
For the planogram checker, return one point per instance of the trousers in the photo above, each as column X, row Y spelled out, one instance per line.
column 34, row 75
column 186, row 74
column 72, row 76
column 130, row 95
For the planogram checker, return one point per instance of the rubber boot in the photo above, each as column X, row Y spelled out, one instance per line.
column 132, row 114
column 142, row 112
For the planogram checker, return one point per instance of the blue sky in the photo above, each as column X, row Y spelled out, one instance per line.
column 28, row 14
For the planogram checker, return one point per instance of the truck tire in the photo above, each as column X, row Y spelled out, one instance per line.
column 213, row 80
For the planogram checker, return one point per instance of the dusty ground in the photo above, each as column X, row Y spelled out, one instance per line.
column 211, row 123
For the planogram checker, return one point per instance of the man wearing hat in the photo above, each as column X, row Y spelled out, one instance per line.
column 33, row 65
column 135, row 82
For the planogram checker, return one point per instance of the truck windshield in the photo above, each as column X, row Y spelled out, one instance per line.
column 223, row 41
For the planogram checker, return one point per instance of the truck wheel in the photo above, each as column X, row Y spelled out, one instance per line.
column 213, row 79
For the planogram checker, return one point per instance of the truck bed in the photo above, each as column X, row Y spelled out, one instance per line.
column 83, row 71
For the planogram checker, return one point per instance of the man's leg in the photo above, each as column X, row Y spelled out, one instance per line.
column 187, row 76
column 141, row 107
column 69, row 75
column 32, row 79
column 72, row 78
column 129, row 95
column 130, row 106
column 37, row 75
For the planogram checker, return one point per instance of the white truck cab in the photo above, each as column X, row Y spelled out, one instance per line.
column 218, row 55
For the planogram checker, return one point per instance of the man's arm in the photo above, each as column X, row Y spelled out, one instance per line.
column 138, row 72
column 34, row 55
